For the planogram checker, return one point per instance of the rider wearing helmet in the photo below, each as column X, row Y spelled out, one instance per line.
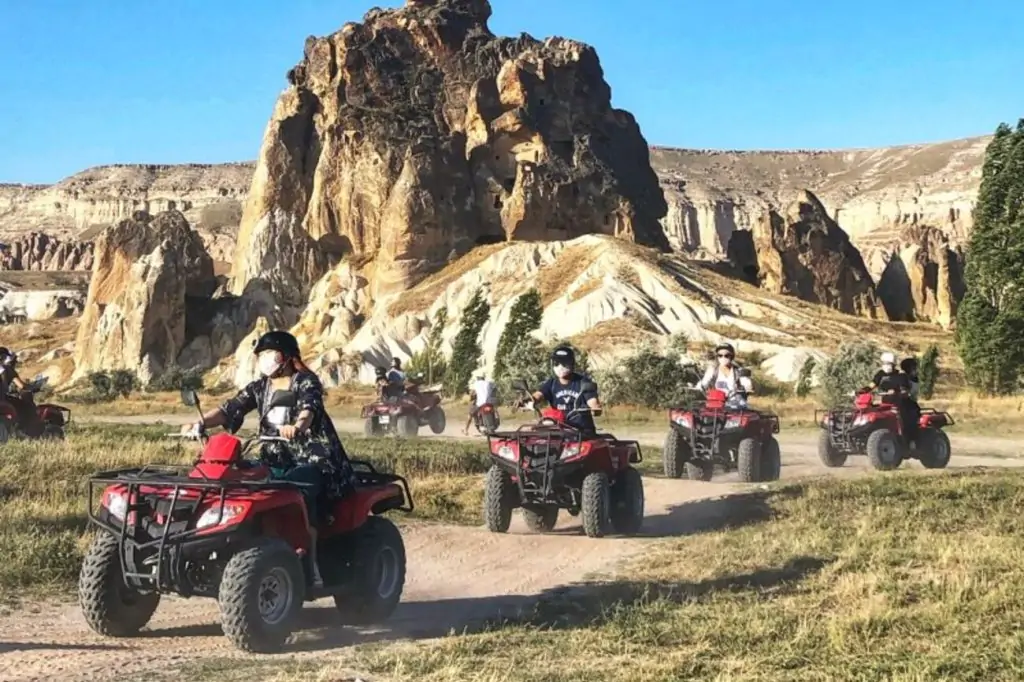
column 21, row 401
column 481, row 393
column 395, row 374
column 888, row 381
column 314, row 453
column 725, row 375
column 564, row 391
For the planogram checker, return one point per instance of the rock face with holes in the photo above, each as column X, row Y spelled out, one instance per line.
column 417, row 134
column 804, row 253
column 146, row 273
column 41, row 252
column 922, row 279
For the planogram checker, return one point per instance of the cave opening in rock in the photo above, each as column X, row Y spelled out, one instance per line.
column 484, row 239
column 742, row 255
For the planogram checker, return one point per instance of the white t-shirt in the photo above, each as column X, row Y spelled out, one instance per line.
column 484, row 389
column 726, row 383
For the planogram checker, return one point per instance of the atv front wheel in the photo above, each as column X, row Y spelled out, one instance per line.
column 675, row 454
column 378, row 574
column 6, row 430
column 748, row 460
column 884, row 450
column 597, row 505
column 370, row 427
column 499, row 492
column 827, row 453
column 408, row 426
column 52, row 432
column 437, row 421
column 628, row 502
column 111, row 607
column 933, row 448
column 771, row 460
column 541, row 518
column 261, row 594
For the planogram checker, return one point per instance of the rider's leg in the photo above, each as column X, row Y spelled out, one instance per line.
column 312, row 474
column 472, row 415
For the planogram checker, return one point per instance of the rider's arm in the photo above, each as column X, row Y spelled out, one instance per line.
column 18, row 383
column 233, row 410
column 309, row 399
column 746, row 385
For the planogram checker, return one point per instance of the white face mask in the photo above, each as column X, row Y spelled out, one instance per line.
column 269, row 363
column 724, row 361
column 561, row 371
column 887, row 368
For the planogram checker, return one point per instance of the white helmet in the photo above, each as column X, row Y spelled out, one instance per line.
column 888, row 359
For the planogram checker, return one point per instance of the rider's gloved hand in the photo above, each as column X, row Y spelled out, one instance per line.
column 193, row 430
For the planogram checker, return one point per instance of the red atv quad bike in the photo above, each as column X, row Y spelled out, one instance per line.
column 487, row 420
column 710, row 433
column 226, row 529
column 52, row 419
column 874, row 429
column 551, row 465
column 404, row 415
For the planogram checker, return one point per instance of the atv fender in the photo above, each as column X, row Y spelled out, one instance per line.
column 351, row 511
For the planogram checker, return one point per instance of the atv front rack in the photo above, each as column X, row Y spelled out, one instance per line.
column 180, row 512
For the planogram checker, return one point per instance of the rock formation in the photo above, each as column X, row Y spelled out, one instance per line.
column 38, row 251
column 804, row 253
column 419, row 133
column 146, row 271
column 923, row 278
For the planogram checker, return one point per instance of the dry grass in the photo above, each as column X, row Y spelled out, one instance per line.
column 421, row 296
column 900, row 577
column 553, row 280
column 611, row 334
column 33, row 280
column 42, row 492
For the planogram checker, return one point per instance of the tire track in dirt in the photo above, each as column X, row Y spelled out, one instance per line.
column 457, row 576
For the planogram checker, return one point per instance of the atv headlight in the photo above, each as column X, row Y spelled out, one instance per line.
column 215, row 517
column 732, row 422
column 506, row 452
column 575, row 450
column 116, row 504
column 685, row 420
column 861, row 420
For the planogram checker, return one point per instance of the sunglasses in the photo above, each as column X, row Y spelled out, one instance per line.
column 725, row 355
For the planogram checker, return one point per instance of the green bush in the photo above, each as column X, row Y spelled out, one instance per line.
column 524, row 318
column 928, row 371
column 175, row 378
column 466, row 347
column 803, row 381
column 649, row 379
column 851, row 368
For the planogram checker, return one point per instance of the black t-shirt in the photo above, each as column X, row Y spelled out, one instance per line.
column 891, row 381
column 569, row 396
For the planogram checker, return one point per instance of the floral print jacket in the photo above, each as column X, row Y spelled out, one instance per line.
column 320, row 445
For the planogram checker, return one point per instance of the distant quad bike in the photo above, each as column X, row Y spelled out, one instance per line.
column 711, row 433
column 549, row 466
column 403, row 415
column 226, row 530
column 874, row 429
column 52, row 419
column 487, row 420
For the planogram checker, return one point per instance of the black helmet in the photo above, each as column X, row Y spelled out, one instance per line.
column 726, row 347
column 381, row 372
column 564, row 356
column 281, row 341
column 908, row 365
column 396, row 363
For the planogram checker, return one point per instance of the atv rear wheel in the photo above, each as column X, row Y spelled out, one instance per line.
column 541, row 518
column 52, row 432
column 6, row 430
column 261, row 594
column 933, row 448
column 884, row 450
column 628, row 502
column 437, row 421
column 749, row 460
column 597, row 505
column 699, row 470
column 370, row 427
column 408, row 426
column 111, row 607
column 488, row 423
column 378, row 574
column 827, row 453
column 675, row 454
column 499, row 500
column 771, row 460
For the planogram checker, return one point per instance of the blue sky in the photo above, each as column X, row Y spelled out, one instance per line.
column 90, row 82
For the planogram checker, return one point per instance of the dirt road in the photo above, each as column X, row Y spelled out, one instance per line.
column 457, row 577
